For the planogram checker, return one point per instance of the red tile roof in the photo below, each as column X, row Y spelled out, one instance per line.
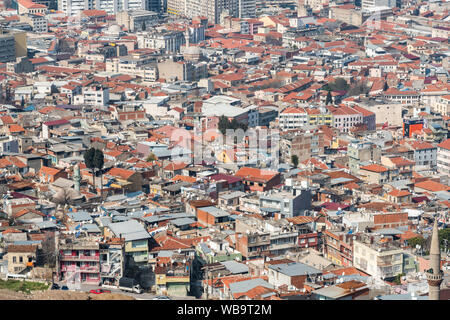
column 120, row 173
column 374, row 168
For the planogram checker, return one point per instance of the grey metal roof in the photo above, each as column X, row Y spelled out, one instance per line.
column 214, row 211
column 295, row 269
column 246, row 285
column 204, row 247
column 406, row 296
column 389, row 231
column 130, row 230
column 120, row 218
column 232, row 195
column 166, row 216
column 79, row 216
column 46, row 224
column 105, row 221
column 91, row 227
column 182, row 222
column 235, row 267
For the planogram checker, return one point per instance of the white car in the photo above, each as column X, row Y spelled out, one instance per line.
column 161, row 298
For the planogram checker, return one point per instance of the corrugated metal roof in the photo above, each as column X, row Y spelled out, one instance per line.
column 235, row 267
column 246, row 285
column 295, row 269
column 130, row 230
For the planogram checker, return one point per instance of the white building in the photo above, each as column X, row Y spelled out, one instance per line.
column 293, row 118
column 167, row 41
column 156, row 106
column 443, row 106
column 443, row 157
column 247, row 9
column 94, row 96
column 379, row 259
column 370, row 4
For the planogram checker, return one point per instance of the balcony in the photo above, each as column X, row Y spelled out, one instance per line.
column 79, row 258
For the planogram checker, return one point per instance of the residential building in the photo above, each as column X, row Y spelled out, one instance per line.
column 380, row 259
column 443, row 157
column 79, row 261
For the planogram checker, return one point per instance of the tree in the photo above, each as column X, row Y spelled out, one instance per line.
column 444, row 235
column 340, row 84
column 89, row 161
column 144, row 27
column 99, row 161
column 22, row 102
column 398, row 278
column 413, row 242
column 151, row 157
column 223, row 124
column 294, row 160
column 329, row 98
column 385, row 87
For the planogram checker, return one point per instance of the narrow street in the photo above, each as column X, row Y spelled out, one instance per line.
column 143, row 296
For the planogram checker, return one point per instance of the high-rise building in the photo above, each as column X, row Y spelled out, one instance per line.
column 434, row 274
column 210, row 9
column 112, row 7
column 247, row 9
column 13, row 44
column 370, row 4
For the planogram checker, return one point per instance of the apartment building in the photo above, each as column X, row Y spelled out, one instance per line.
column 79, row 261
column 30, row 7
column 139, row 63
column 211, row 9
column 443, row 106
column 338, row 247
column 112, row 260
column 375, row 173
column 443, row 157
column 360, row 152
column 135, row 20
column 385, row 111
column 425, row 154
column 111, row 7
column 136, row 240
column 37, row 22
column 13, row 44
column 402, row 96
column 94, row 96
column 288, row 204
column 292, row 118
column 371, row 4
column 255, row 237
column 166, row 41
column 378, row 257
column 346, row 14
column 182, row 70
column 305, row 144
column 345, row 118
column 247, row 9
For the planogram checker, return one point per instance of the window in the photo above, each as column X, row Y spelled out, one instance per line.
column 14, row 259
column 20, row 259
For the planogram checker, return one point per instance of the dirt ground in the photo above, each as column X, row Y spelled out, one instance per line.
column 60, row 295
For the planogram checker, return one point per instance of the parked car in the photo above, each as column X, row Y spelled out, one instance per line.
column 55, row 286
column 99, row 291
column 64, row 288
column 161, row 298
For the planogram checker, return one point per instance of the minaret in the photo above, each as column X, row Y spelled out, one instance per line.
column 434, row 274
column 77, row 176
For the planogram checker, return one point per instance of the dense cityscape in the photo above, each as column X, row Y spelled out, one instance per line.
column 224, row 150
